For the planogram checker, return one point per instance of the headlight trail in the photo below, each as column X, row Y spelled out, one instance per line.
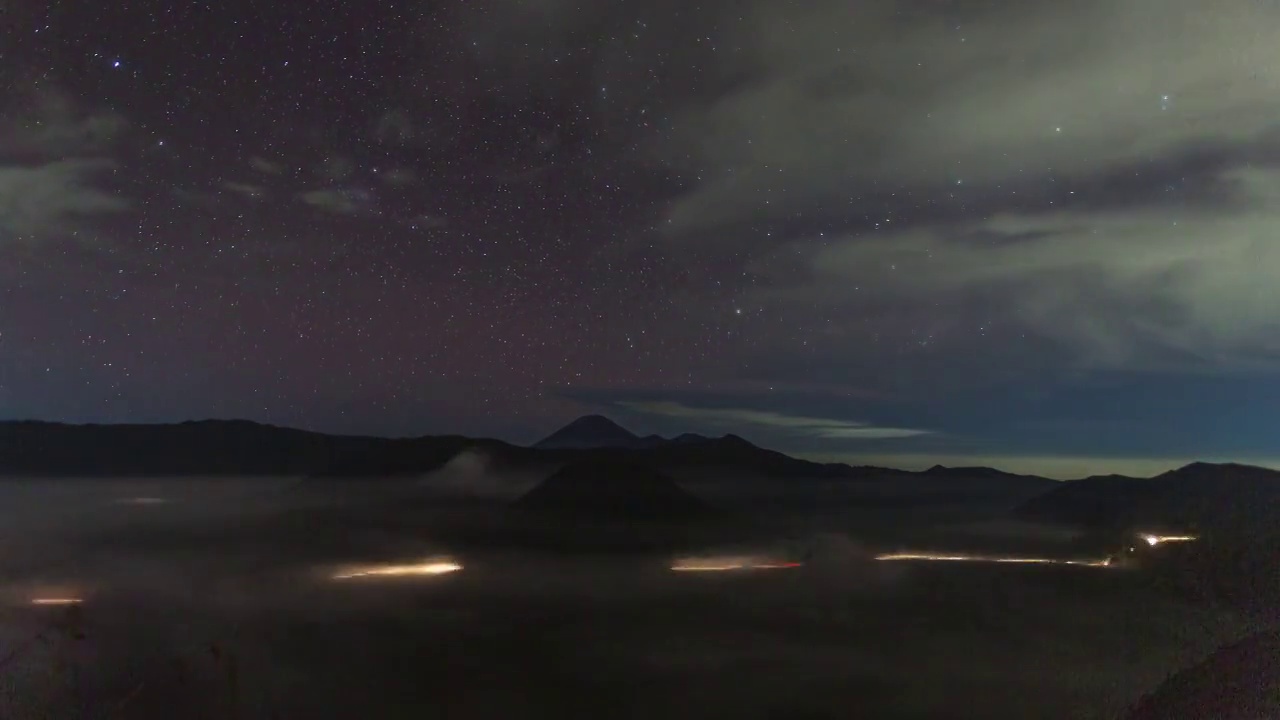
column 726, row 564
column 435, row 567
column 56, row 601
column 1154, row 540
column 142, row 501
column 930, row 557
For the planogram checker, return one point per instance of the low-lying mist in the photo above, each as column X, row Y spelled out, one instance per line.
column 237, row 598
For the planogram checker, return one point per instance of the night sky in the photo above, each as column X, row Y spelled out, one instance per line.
column 1039, row 234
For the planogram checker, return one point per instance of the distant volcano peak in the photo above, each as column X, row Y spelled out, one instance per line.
column 589, row 431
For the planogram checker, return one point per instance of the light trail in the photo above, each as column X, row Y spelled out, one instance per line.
column 728, row 564
column 1154, row 540
column 56, row 601
column 930, row 557
column 434, row 567
column 142, row 501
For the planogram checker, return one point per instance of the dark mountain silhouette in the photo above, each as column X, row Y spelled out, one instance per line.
column 1227, row 496
column 1097, row 501
column 612, row 506
column 973, row 472
column 597, row 432
column 603, row 491
column 1238, row 682
column 211, row 447
column 990, row 478
column 689, row 438
column 591, row 431
column 236, row 447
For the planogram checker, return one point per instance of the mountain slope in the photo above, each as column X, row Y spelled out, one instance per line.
column 236, row 447
column 211, row 447
column 591, row 431
column 596, row 491
column 1238, row 682
column 1202, row 494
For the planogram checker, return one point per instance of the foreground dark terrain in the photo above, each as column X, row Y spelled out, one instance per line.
column 691, row 577
column 220, row 602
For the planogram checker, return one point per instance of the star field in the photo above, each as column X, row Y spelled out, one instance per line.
column 488, row 217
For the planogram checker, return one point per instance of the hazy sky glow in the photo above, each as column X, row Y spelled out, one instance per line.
column 1034, row 231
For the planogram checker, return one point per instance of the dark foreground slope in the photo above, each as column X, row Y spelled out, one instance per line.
column 622, row 492
column 1228, row 496
column 612, row 507
column 1238, row 682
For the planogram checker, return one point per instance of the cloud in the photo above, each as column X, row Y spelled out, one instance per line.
column 398, row 177
column 50, row 198
column 53, row 156
column 823, row 428
column 843, row 97
column 336, row 168
column 394, row 128
column 1115, row 287
column 52, row 126
column 265, row 166
column 246, row 189
column 340, row 201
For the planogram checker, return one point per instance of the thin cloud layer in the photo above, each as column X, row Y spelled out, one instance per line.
column 51, row 198
column 997, row 94
column 1116, row 287
column 340, row 201
column 54, row 157
column 824, row 428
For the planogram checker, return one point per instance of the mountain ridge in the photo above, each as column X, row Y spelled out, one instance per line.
column 1227, row 496
column 214, row 447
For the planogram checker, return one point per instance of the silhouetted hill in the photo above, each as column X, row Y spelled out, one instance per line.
column 234, row 447
column 990, row 478
column 602, row 491
column 210, row 447
column 214, row 447
column 591, row 431
column 729, row 454
column 689, row 438
column 1199, row 494
column 1238, row 682
column 974, row 472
